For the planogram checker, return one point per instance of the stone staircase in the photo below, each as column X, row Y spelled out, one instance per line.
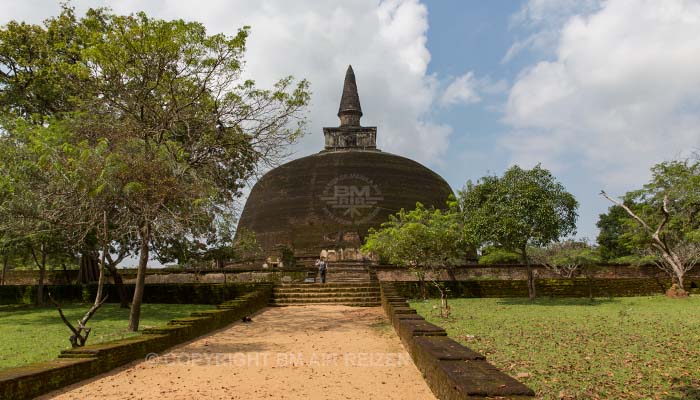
column 358, row 294
column 350, row 284
column 355, row 272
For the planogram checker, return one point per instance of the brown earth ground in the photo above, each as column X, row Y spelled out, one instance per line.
column 311, row 352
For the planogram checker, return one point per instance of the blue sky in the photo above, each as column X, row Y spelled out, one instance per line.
column 596, row 91
column 476, row 37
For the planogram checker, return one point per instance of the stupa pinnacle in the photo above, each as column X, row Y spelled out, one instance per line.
column 350, row 110
column 350, row 135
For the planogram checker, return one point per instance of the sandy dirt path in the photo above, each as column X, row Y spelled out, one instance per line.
column 311, row 352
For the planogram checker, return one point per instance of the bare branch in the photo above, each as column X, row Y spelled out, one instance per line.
column 664, row 221
column 629, row 211
column 63, row 317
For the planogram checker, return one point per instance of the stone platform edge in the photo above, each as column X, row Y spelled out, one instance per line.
column 75, row 365
column 451, row 370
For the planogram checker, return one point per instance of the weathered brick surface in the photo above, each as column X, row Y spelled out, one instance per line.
column 286, row 205
column 442, row 348
column 391, row 273
column 26, row 382
column 397, row 318
column 545, row 288
column 166, row 293
column 411, row 328
column 77, row 364
column 467, row 379
column 395, row 312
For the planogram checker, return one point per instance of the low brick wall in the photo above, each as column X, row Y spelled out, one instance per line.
column 256, row 273
column 451, row 370
column 622, row 287
column 519, row 272
column 168, row 293
column 171, row 275
column 74, row 365
column 213, row 293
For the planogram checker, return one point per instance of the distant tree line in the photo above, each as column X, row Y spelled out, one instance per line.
column 527, row 216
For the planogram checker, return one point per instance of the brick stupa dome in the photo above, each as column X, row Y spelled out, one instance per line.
column 329, row 200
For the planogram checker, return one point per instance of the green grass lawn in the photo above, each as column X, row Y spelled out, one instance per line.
column 30, row 334
column 625, row 348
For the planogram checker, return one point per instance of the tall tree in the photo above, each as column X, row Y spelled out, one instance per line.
column 26, row 206
column 663, row 217
column 614, row 243
column 520, row 209
column 183, row 131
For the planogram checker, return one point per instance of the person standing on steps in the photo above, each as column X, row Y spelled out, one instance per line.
column 322, row 268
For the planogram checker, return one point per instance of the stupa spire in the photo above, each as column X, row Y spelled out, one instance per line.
column 350, row 110
column 350, row 135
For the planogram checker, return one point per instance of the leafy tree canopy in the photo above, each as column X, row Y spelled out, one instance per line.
column 679, row 181
column 521, row 208
column 158, row 108
column 422, row 237
column 494, row 255
column 613, row 244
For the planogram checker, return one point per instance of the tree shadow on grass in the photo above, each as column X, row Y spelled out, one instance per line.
column 156, row 314
column 685, row 389
column 556, row 301
column 23, row 308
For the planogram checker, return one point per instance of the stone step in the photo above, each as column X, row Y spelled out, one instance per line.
column 337, row 278
column 329, row 290
column 354, row 273
column 367, row 289
column 350, row 304
column 325, row 295
column 329, row 284
column 332, row 300
column 347, row 271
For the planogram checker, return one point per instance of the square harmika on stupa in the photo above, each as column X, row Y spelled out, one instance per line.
column 328, row 201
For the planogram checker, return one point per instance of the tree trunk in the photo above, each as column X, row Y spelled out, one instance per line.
column 41, row 263
column 135, row 314
column 119, row 283
column 66, row 276
column 5, row 263
column 444, row 307
column 451, row 273
column 40, row 287
column 589, row 279
column 421, row 284
column 105, row 248
column 89, row 269
column 531, row 293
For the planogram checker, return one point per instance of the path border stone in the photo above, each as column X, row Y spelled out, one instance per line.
column 451, row 370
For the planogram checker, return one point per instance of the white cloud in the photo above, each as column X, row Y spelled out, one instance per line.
column 468, row 89
column 385, row 41
column 543, row 21
column 621, row 93
column 462, row 90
